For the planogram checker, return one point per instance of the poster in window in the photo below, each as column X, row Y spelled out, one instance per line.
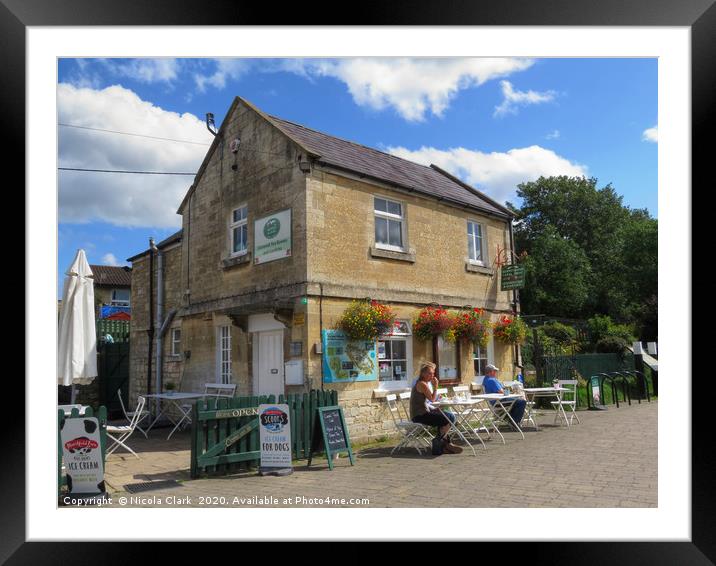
column 348, row 360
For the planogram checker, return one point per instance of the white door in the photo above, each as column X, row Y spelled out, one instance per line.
column 269, row 378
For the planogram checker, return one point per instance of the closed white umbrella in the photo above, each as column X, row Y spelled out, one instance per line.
column 77, row 337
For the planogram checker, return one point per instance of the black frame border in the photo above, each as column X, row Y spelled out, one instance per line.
column 699, row 15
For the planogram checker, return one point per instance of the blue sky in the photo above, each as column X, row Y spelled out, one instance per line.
column 493, row 122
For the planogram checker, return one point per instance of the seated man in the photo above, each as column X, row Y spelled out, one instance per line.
column 492, row 385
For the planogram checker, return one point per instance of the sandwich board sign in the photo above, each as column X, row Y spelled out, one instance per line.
column 330, row 434
column 82, row 455
column 275, row 439
column 597, row 401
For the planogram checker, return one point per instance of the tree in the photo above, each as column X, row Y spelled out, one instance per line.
column 588, row 253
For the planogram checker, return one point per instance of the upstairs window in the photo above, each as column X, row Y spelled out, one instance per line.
column 239, row 231
column 176, row 341
column 389, row 224
column 120, row 297
column 475, row 243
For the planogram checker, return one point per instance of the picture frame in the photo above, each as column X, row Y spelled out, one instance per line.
column 699, row 15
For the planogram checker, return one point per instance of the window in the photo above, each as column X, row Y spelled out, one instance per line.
column 479, row 358
column 239, row 230
column 120, row 297
column 389, row 224
column 475, row 243
column 176, row 341
column 395, row 355
column 447, row 358
column 223, row 354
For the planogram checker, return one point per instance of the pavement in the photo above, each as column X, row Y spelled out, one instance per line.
column 609, row 460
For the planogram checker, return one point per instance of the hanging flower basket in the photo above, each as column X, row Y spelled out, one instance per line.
column 434, row 321
column 472, row 326
column 511, row 330
column 366, row 320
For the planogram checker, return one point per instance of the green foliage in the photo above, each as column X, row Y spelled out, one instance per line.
column 601, row 327
column 611, row 345
column 587, row 252
column 558, row 337
column 510, row 330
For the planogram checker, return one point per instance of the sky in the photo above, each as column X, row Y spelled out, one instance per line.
column 493, row 122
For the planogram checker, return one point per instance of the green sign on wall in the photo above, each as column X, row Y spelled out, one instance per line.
column 513, row 277
column 272, row 237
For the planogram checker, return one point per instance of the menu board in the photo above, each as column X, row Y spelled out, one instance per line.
column 330, row 434
column 345, row 361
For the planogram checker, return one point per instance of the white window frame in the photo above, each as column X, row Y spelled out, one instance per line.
column 394, row 217
column 223, row 346
column 120, row 302
column 408, row 337
column 489, row 352
column 483, row 242
column 176, row 344
column 233, row 225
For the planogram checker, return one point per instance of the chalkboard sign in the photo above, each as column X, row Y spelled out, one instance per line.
column 330, row 434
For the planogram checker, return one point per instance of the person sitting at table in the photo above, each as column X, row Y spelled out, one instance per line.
column 425, row 391
column 492, row 385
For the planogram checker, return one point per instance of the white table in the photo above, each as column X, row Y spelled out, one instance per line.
column 532, row 392
column 495, row 400
column 452, row 403
column 174, row 398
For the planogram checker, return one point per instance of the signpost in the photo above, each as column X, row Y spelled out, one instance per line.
column 333, row 438
column 512, row 277
column 275, row 440
column 82, row 455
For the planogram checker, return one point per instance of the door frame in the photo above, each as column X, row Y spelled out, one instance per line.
column 255, row 366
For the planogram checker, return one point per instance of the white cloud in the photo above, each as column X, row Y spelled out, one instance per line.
column 553, row 135
column 225, row 69
column 515, row 98
column 651, row 135
column 497, row 173
column 109, row 259
column 145, row 70
column 414, row 87
column 124, row 199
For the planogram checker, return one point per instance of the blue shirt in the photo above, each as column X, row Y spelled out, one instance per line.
column 491, row 385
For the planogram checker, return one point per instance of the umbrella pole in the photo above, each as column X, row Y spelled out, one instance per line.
column 73, row 394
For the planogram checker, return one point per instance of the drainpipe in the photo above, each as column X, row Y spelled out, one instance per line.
column 320, row 331
column 160, row 316
column 150, row 331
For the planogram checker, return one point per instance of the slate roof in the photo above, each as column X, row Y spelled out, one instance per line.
column 109, row 275
column 382, row 166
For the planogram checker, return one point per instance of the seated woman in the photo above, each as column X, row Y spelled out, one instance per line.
column 424, row 391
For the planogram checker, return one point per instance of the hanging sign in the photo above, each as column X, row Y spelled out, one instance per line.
column 512, row 277
column 330, row 434
column 347, row 360
column 272, row 237
column 275, row 438
column 82, row 456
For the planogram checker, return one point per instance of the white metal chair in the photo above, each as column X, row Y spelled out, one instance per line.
column 413, row 434
column 567, row 399
column 210, row 390
column 120, row 434
column 130, row 414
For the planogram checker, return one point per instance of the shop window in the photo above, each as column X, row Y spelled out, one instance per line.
column 389, row 224
column 475, row 243
column 239, row 230
column 395, row 356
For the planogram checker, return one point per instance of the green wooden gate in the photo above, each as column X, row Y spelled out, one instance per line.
column 225, row 432
column 113, row 374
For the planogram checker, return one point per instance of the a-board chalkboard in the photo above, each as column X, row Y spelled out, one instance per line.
column 330, row 434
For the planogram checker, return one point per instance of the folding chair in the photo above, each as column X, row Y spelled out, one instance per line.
column 571, row 401
column 210, row 390
column 412, row 433
column 130, row 414
column 120, row 434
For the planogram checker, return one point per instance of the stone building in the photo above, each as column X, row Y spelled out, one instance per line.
column 282, row 229
column 112, row 286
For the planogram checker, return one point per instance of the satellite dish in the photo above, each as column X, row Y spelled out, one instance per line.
column 234, row 145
